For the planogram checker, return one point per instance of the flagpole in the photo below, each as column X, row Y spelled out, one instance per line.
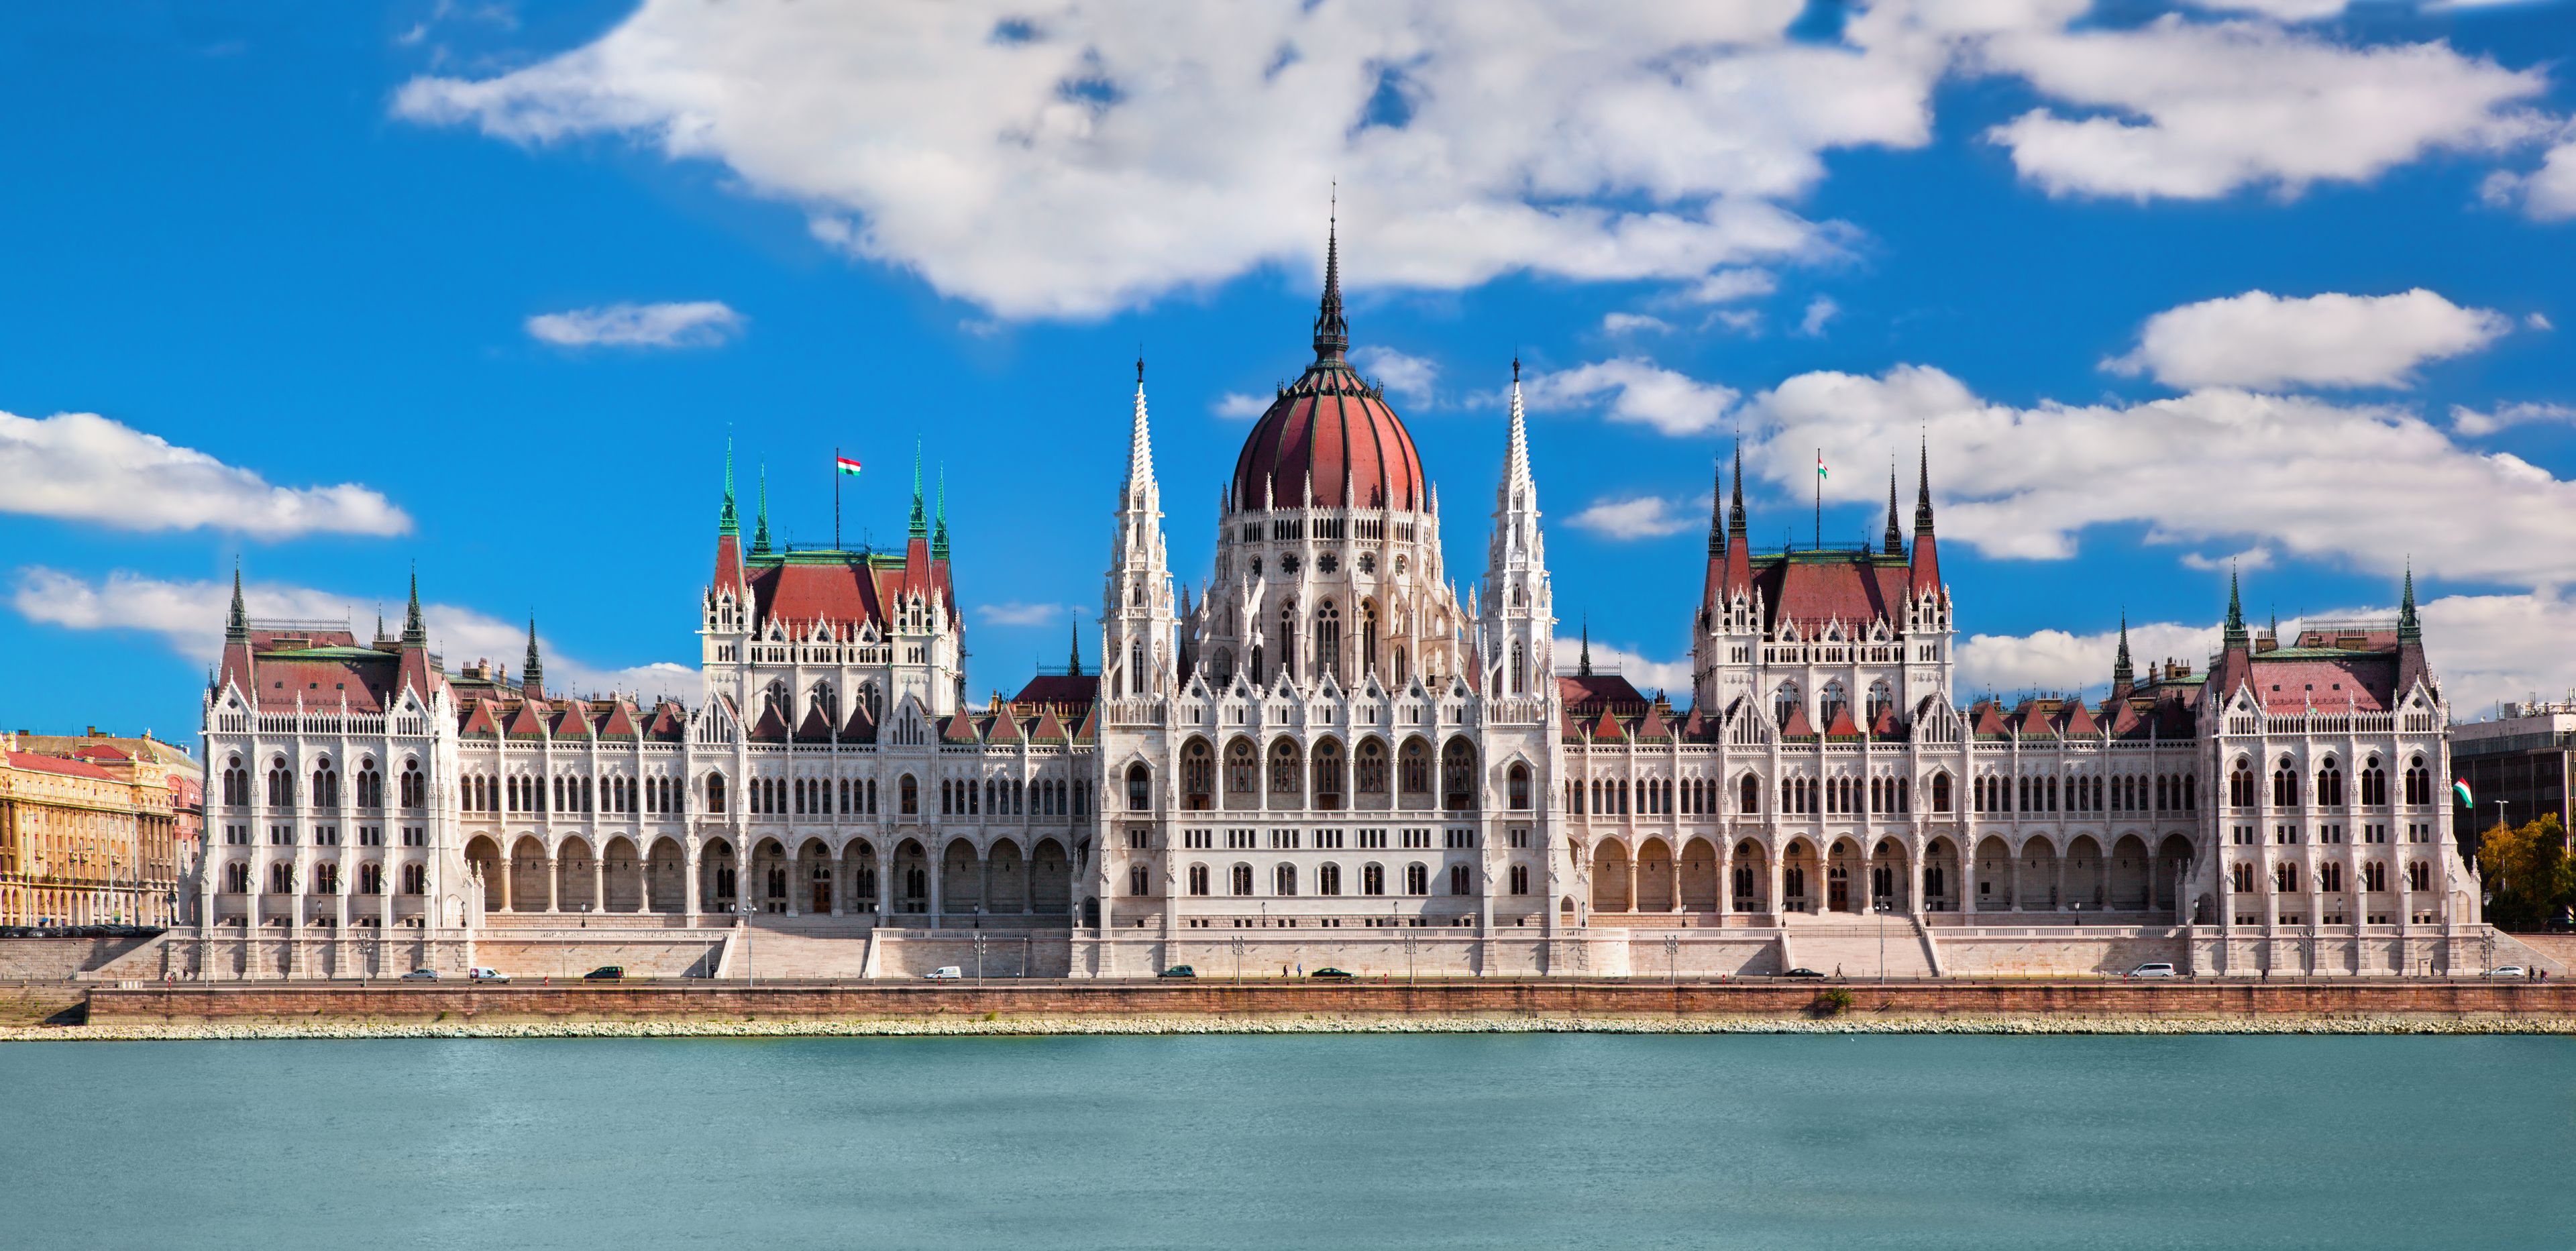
column 836, row 497
column 1820, row 499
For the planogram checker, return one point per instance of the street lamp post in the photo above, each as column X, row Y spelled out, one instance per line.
column 743, row 911
column 1673, row 957
column 1880, row 907
column 979, row 959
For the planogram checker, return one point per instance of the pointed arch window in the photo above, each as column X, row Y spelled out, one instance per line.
column 1328, row 641
column 1371, row 766
column 1519, row 678
column 1239, row 767
column 1288, row 633
column 1328, row 774
column 1785, row 702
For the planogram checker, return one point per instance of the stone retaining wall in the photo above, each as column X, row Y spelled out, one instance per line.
column 1207, row 999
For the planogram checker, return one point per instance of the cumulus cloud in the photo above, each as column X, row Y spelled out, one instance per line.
column 2301, row 475
column 1633, row 389
column 1408, row 378
column 694, row 324
column 1017, row 614
column 2471, row 422
column 1820, row 310
column 2190, row 110
column 2262, row 340
column 2056, row 660
column 188, row 616
column 2278, row 10
column 84, row 467
column 1641, row 517
column 1633, row 323
column 1240, row 407
column 1731, row 285
column 1075, row 160
column 2545, row 194
column 2490, row 647
column 2250, row 559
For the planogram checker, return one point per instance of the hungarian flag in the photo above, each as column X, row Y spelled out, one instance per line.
column 1820, row 466
column 2460, row 787
column 847, row 465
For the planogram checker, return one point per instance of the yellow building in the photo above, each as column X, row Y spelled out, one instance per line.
column 94, row 830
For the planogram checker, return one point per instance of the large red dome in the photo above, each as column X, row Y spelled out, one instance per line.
column 1330, row 433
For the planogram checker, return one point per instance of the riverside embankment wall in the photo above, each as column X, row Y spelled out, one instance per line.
column 246, row 1004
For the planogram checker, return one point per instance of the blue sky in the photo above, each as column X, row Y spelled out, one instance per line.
column 2285, row 283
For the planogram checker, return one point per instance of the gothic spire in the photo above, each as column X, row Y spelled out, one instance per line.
column 1332, row 333
column 1735, row 510
column 1717, row 508
column 532, row 673
column 726, row 522
column 1073, row 666
column 2409, row 630
column 413, row 631
column 1140, row 445
column 1516, row 463
column 1895, row 543
column 1922, row 492
column 237, row 622
column 939, row 532
column 760, row 532
column 2235, row 613
column 2122, row 673
column 920, row 515
column 1583, row 659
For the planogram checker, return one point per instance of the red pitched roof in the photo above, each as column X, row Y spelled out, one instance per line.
column 525, row 721
column 1606, row 728
column 800, row 594
column 620, row 722
column 2362, row 683
column 2079, row 722
column 1811, row 592
column 771, row 728
column 478, row 718
column 670, row 724
column 58, row 764
column 1654, row 726
column 1886, row 727
column 1006, row 725
column 862, row 727
column 1589, row 692
column 1057, row 688
column 1842, row 725
column 1799, row 726
column 959, row 728
column 815, row 728
column 1050, row 729
column 572, row 720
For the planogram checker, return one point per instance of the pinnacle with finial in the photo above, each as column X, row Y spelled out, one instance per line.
column 920, row 515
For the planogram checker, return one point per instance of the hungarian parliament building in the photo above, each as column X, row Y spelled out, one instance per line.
column 1326, row 756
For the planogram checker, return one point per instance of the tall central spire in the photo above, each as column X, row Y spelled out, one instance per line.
column 1332, row 334
column 920, row 515
column 1140, row 445
column 726, row 522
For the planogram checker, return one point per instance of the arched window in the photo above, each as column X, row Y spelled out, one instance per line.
column 237, row 878
column 908, row 796
column 1940, row 792
column 1413, row 768
column 1288, row 633
column 326, row 784
column 1372, row 879
column 1401, row 675
column 1328, row 880
column 776, row 697
column 1517, row 785
column 1283, row 880
column 1283, row 770
column 1458, row 775
column 1140, row 788
column 820, row 699
column 281, row 784
column 1328, row 774
column 1198, row 776
column 1259, row 672
column 1239, row 767
column 2240, row 785
column 1748, row 797
column 2285, row 785
column 415, row 879
column 236, row 783
column 1368, row 627
column 1371, row 769
column 415, row 786
column 1519, row 677
column 371, row 785
column 1328, row 640
column 371, row 878
column 1198, row 879
column 1881, row 698
column 1836, row 700
column 2374, row 784
column 1786, row 701
column 1241, row 879
column 2330, row 785
column 2419, row 786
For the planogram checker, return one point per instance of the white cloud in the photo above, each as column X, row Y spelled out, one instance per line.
column 2278, row 10
column 2537, row 321
column 1240, row 407
column 84, row 467
column 1075, row 160
column 2055, row 660
column 2249, row 560
column 2194, row 110
column 1820, row 310
column 696, row 323
column 2265, row 341
column 2485, row 648
column 1633, row 323
column 2545, row 194
column 1635, row 390
column 1642, row 517
column 189, row 618
column 1409, row 378
column 1017, row 614
column 1728, row 286
column 2471, row 422
column 1672, row 677
column 2303, row 476
column 1745, row 321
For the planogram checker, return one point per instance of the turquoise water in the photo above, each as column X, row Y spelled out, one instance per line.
column 1319, row 1141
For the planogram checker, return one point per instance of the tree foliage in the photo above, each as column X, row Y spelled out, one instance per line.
column 2530, row 879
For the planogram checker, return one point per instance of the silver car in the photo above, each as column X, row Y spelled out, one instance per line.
column 2157, row 968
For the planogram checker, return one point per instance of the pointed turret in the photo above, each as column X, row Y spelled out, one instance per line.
column 726, row 520
column 2236, row 633
column 760, row 531
column 1517, row 608
column 2123, row 676
column 415, row 672
column 2411, row 667
column 1924, row 580
column 920, row 515
column 1332, row 333
column 1073, row 662
column 1140, row 447
column 1739, row 544
column 532, row 674
column 1894, row 543
column 413, row 630
column 728, row 574
column 237, row 621
column 236, row 665
column 1712, row 586
column 1583, row 659
column 939, row 531
column 2236, row 646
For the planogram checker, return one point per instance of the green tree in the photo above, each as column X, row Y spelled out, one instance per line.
column 2530, row 878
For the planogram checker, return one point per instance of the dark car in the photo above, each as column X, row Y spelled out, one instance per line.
column 605, row 973
column 1336, row 975
column 1180, row 970
column 1803, row 972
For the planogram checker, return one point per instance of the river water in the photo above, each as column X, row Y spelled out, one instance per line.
column 1302, row 1140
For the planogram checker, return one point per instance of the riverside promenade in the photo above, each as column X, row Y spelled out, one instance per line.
column 2089, row 1005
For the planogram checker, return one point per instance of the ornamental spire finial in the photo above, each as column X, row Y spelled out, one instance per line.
column 413, row 630
column 726, row 521
column 1332, row 332
column 2408, row 628
column 920, row 516
column 237, row 622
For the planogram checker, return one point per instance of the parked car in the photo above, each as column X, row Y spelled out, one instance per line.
column 1331, row 975
column 2153, row 968
column 1803, row 971
column 485, row 975
column 421, row 975
column 606, row 973
column 944, row 973
column 2508, row 970
column 1180, row 970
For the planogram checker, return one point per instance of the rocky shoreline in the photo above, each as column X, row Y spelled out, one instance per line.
column 1312, row 1023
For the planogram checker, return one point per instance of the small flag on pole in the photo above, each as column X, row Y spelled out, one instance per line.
column 2460, row 787
column 847, row 465
column 1820, row 465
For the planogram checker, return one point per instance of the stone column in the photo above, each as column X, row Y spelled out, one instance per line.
column 689, row 877
column 884, row 858
column 599, row 882
column 842, row 875
column 1675, row 903
column 937, row 868
column 508, row 865
column 554, row 884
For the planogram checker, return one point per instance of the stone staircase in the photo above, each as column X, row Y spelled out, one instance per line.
column 764, row 953
column 1855, row 947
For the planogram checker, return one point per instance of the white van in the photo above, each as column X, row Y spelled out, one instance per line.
column 2157, row 969
column 944, row 973
column 485, row 975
